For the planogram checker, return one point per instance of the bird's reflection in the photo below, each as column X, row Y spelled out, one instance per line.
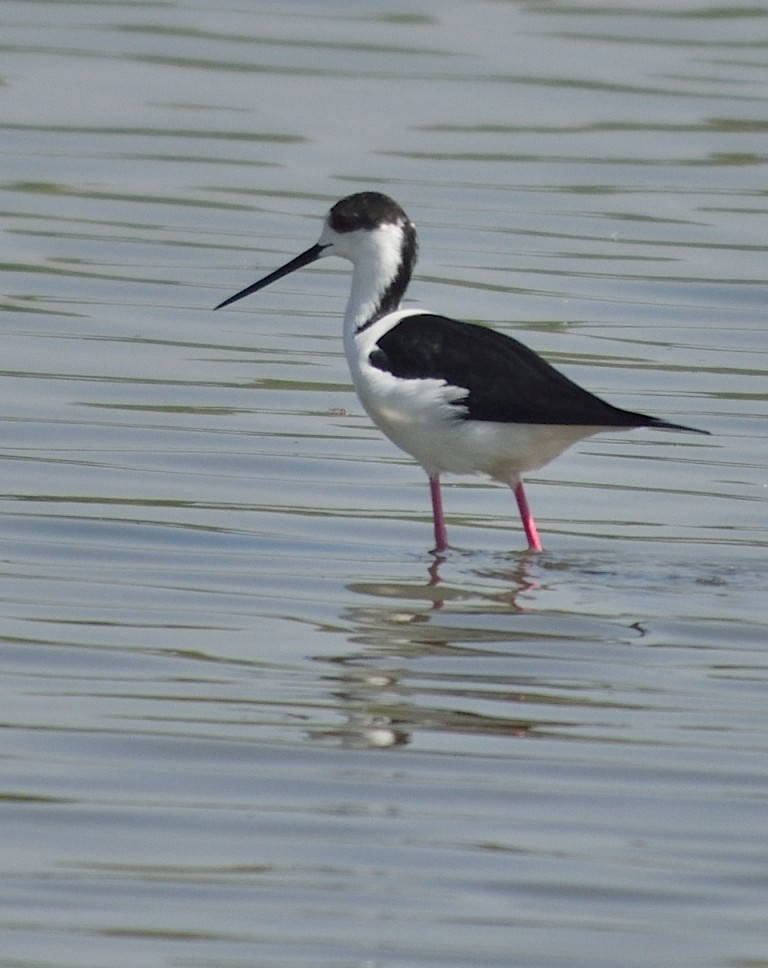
column 375, row 684
column 516, row 579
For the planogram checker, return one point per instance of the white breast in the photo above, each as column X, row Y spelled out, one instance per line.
column 421, row 417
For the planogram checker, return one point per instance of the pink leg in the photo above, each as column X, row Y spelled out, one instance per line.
column 441, row 535
column 534, row 544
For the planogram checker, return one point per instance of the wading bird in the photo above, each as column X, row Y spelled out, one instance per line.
column 458, row 397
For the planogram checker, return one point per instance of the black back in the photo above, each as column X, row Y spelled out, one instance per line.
column 507, row 382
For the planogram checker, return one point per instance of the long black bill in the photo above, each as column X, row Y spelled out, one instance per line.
column 304, row 259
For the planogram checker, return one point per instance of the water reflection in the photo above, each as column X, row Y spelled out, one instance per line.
column 384, row 706
column 437, row 592
column 381, row 690
column 521, row 650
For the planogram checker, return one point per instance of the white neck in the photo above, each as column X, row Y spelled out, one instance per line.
column 377, row 261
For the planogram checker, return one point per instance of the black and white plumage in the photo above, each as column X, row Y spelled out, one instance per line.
column 460, row 398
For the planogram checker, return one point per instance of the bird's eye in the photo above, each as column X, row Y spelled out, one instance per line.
column 341, row 223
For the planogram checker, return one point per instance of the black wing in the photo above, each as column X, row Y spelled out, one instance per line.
column 507, row 382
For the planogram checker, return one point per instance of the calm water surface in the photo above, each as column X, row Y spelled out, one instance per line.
column 249, row 719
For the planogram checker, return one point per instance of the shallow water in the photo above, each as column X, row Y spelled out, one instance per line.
column 249, row 718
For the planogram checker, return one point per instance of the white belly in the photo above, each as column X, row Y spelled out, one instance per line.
column 422, row 418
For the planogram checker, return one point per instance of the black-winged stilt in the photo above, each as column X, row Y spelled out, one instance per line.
column 458, row 397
